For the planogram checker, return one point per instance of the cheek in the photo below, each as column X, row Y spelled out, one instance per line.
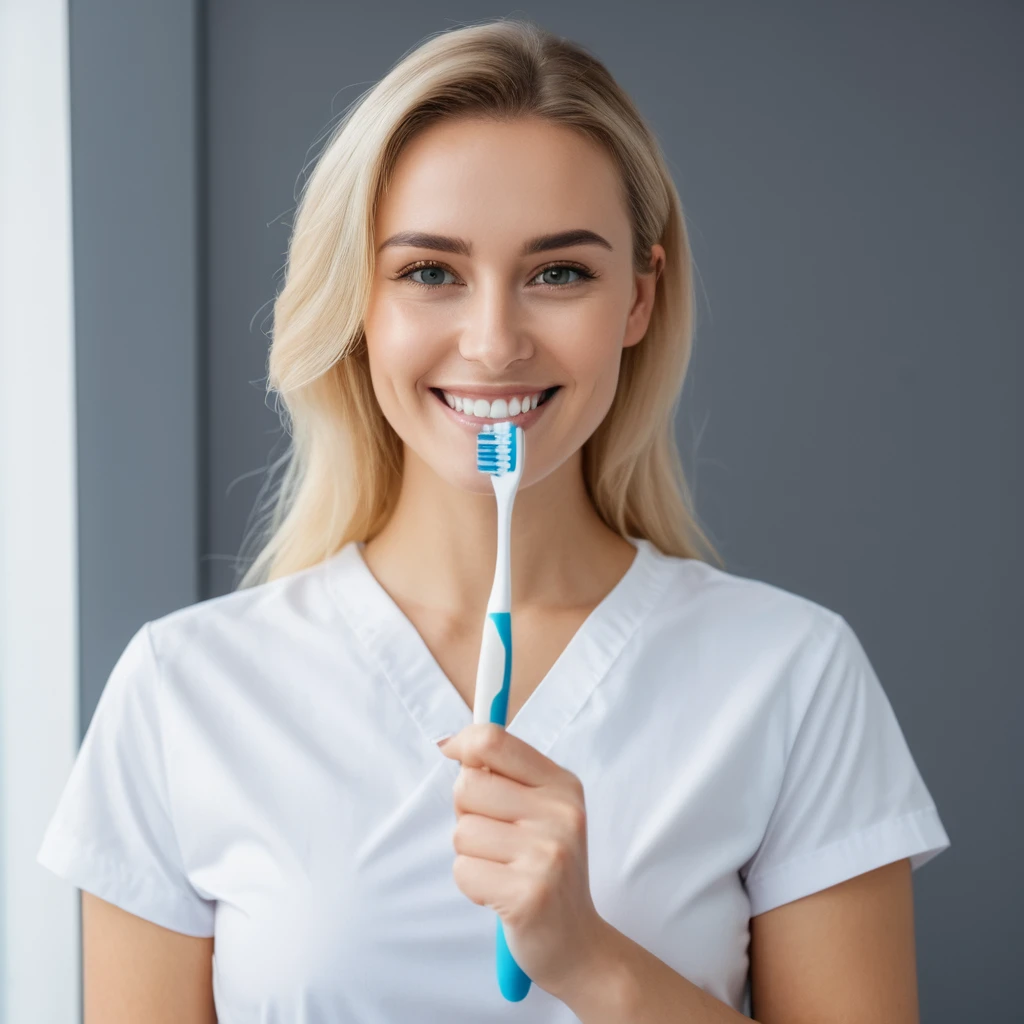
column 401, row 351
column 593, row 363
column 592, row 360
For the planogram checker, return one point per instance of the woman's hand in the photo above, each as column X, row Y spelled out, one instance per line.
column 521, row 849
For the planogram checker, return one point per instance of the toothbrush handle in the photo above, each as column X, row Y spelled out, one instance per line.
column 512, row 979
column 495, row 665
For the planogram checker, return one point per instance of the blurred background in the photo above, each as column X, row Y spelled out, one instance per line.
column 851, row 424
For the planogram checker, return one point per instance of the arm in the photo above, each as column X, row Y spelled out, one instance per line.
column 135, row 970
column 845, row 954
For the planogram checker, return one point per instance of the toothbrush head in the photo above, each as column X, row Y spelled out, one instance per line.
column 499, row 450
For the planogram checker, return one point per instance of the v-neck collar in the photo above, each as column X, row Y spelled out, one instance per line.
column 429, row 695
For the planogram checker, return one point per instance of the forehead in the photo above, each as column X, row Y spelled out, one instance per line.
column 513, row 179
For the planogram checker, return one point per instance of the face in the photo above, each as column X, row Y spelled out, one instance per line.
column 493, row 322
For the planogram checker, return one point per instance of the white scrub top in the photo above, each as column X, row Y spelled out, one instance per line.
column 263, row 767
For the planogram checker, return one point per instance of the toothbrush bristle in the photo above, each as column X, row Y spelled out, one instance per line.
column 496, row 449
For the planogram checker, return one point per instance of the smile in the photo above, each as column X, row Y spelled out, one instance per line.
column 478, row 411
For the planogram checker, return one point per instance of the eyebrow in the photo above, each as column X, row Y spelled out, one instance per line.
column 443, row 243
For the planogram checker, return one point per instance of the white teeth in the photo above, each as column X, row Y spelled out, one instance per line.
column 499, row 409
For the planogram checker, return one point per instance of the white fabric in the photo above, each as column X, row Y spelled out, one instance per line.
column 263, row 767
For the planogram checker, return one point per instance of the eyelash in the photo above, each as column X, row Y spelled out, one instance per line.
column 423, row 264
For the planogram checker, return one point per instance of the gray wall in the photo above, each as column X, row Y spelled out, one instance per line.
column 134, row 76
column 850, row 175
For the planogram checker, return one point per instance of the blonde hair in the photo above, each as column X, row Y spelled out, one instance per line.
column 345, row 463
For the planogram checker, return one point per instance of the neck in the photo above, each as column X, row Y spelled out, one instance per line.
column 440, row 545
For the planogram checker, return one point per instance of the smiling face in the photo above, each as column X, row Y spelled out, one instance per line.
column 505, row 309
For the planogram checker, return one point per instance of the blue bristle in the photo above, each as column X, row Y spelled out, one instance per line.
column 496, row 449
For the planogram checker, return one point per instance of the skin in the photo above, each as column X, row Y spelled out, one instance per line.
column 495, row 320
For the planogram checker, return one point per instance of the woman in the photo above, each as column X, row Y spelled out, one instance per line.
column 702, row 805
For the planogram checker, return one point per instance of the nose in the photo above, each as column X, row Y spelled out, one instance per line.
column 493, row 333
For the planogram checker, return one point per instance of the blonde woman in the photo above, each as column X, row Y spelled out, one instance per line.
column 702, row 806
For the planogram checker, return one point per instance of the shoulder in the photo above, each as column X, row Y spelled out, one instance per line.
column 742, row 647
column 252, row 631
column 726, row 611
column 248, row 612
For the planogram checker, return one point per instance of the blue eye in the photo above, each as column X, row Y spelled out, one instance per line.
column 583, row 275
column 426, row 266
column 427, row 269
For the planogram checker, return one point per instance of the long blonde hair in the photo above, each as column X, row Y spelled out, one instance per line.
column 344, row 466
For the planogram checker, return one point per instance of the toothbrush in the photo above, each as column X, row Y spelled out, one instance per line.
column 500, row 450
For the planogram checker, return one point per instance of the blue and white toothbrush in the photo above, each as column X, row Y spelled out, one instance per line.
column 499, row 453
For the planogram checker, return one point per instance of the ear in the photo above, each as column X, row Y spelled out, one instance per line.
column 645, row 286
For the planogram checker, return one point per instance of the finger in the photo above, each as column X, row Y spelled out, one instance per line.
column 485, row 883
column 487, row 744
column 477, row 836
column 478, row 791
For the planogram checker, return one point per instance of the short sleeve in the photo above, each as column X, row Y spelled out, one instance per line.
column 851, row 798
column 112, row 832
